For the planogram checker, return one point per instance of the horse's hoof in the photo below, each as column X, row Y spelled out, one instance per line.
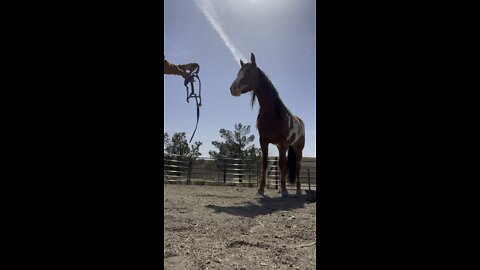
column 284, row 193
column 260, row 192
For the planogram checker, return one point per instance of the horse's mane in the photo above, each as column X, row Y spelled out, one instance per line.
column 265, row 83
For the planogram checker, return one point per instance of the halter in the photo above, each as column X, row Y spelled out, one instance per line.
column 198, row 98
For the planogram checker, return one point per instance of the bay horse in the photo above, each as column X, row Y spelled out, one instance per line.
column 275, row 123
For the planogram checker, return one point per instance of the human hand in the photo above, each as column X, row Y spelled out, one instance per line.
column 190, row 67
column 187, row 69
column 193, row 66
column 186, row 75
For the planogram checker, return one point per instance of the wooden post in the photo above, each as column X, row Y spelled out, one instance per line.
column 224, row 171
column 308, row 173
column 276, row 172
column 258, row 171
column 189, row 173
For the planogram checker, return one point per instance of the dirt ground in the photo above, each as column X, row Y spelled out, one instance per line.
column 219, row 227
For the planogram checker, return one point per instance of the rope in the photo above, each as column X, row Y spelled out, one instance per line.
column 198, row 98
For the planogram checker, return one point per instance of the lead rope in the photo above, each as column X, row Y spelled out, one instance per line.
column 198, row 98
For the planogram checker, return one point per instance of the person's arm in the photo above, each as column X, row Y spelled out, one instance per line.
column 169, row 68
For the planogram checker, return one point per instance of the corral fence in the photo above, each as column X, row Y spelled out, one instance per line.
column 178, row 169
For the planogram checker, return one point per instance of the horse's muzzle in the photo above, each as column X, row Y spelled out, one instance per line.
column 235, row 91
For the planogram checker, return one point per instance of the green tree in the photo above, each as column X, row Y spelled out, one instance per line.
column 178, row 145
column 236, row 144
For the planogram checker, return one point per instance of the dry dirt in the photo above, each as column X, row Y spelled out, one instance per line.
column 219, row 227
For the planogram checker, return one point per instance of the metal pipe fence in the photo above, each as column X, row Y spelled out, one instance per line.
column 230, row 171
column 308, row 170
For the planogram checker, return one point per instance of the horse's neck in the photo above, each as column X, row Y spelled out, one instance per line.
column 267, row 102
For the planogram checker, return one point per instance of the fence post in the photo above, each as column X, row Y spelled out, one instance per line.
column 240, row 172
column 249, row 171
column 276, row 172
column 217, row 169
column 258, row 171
column 308, row 173
column 189, row 173
column 224, row 171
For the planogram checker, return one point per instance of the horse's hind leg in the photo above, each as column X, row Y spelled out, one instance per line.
column 282, row 162
column 299, row 164
column 298, row 158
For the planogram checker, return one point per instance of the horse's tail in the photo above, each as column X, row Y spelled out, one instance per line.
column 292, row 164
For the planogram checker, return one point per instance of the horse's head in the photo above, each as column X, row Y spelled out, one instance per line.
column 247, row 78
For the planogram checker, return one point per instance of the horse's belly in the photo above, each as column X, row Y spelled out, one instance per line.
column 287, row 134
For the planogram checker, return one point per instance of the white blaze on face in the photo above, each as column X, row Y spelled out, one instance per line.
column 237, row 89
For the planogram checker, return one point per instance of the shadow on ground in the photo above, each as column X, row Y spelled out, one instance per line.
column 219, row 196
column 266, row 206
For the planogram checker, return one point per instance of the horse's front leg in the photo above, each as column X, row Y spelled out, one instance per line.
column 283, row 172
column 263, row 180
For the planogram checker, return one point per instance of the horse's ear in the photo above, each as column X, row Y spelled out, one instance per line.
column 252, row 59
column 241, row 63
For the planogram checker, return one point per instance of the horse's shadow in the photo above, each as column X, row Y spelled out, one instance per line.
column 267, row 205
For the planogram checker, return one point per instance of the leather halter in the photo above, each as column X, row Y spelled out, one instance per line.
column 192, row 94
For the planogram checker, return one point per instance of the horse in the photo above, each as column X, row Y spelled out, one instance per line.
column 275, row 123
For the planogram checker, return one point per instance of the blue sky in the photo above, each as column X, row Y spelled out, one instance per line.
column 216, row 34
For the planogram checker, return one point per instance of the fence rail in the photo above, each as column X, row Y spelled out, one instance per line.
column 307, row 171
column 231, row 171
